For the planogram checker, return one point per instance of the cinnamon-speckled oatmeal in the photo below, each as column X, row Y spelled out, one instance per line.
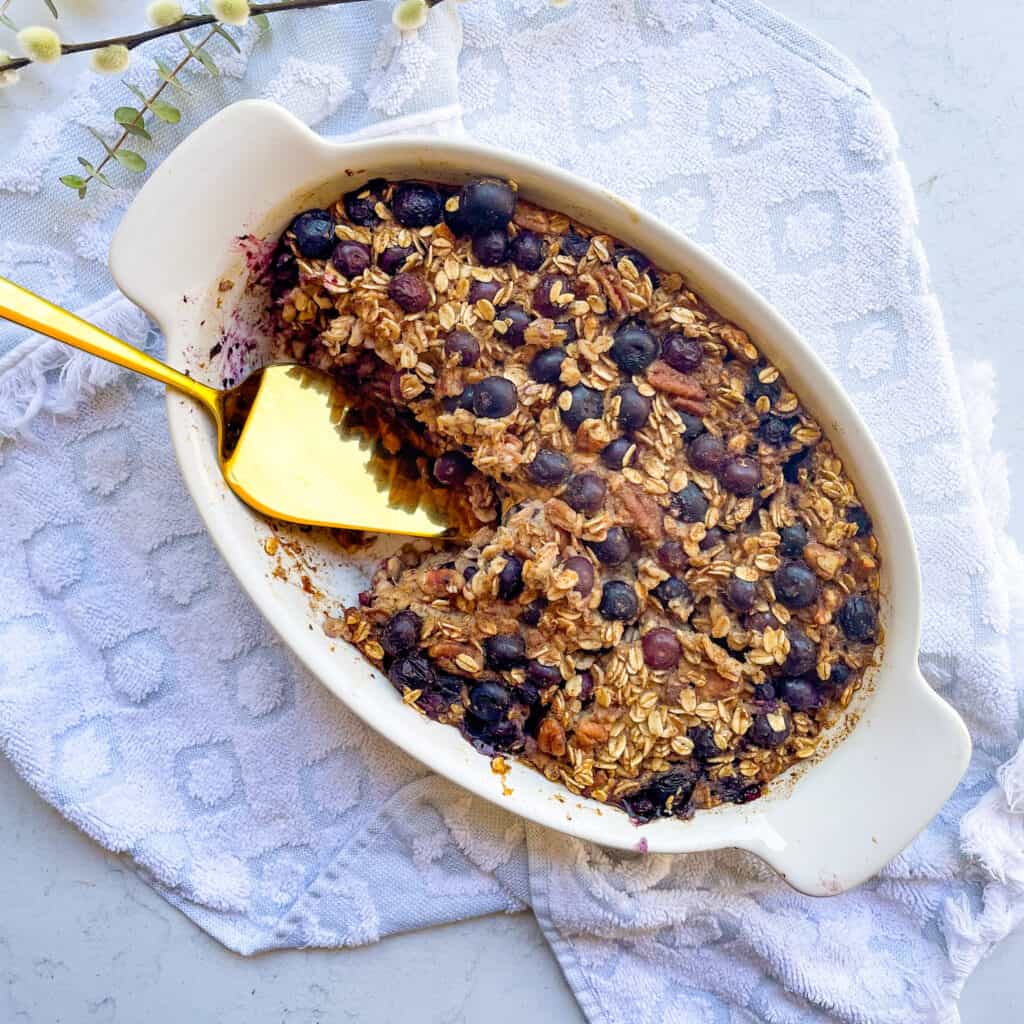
column 665, row 587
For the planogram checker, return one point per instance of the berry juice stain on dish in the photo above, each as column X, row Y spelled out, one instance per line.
column 664, row 587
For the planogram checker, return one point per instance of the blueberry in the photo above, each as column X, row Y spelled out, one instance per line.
column 517, row 321
column 461, row 401
column 706, row 453
column 487, row 203
column 803, row 653
column 284, row 272
column 587, row 404
column 510, row 579
column 483, row 290
column 619, row 601
column 543, row 675
column 392, row 259
column 665, row 795
column 410, row 292
column 740, row 595
column 494, row 398
column 490, row 247
column 546, row 366
column 760, row 621
column 756, row 389
column 764, row 692
column 634, row 348
column 712, row 538
column 682, row 353
column 586, row 687
column 439, row 698
column 741, row 475
column 637, row 258
column 416, row 205
column 452, row 468
column 795, row 585
column 469, row 572
column 660, row 648
column 461, row 344
column 360, row 204
column 840, row 675
column 858, row 514
column 456, row 219
column 543, row 302
column 569, row 327
column 858, row 619
column 703, row 739
column 693, row 426
column 794, row 539
column 314, row 234
column 585, row 493
column 736, row 790
column 672, row 589
column 528, row 251
column 614, row 454
column 401, row 633
column 549, row 468
column 350, row 259
column 774, row 430
column 411, row 671
column 792, row 466
column 574, row 246
column 614, row 549
column 671, row 556
column 799, row 694
column 490, row 701
column 584, row 570
column 634, row 409
column 505, row 735
column 504, row 651
column 689, row 504
column 763, row 734
column 531, row 614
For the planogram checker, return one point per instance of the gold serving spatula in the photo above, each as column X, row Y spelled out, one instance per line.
column 283, row 439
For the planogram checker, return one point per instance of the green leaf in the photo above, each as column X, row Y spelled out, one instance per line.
column 262, row 22
column 7, row 23
column 207, row 61
column 72, row 181
column 52, row 7
column 220, row 30
column 130, row 160
column 136, row 91
column 125, row 115
column 98, row 175
column 166, row 112
column 138, row 131
column 99, row 138
column 168, row 76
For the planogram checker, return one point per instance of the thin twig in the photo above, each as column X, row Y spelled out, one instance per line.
column 186, row 23
column 140, row 118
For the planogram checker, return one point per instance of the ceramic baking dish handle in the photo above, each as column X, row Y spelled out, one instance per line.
column 901, row 785
column 239, row 152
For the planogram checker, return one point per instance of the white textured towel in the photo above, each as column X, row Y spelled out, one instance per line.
column 142, row 695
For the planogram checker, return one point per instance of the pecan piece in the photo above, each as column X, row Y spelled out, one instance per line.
column 438, row 582
column 640, row 512
column 683, row 391
column 614, row 289
column 590, row 733
column 530, row 217
column 551, row 738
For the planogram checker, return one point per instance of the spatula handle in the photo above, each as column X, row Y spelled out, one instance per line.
column 37, row 314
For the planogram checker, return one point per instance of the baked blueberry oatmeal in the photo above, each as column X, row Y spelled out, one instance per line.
column 663, row 587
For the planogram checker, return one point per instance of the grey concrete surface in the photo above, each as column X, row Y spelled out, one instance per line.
column 83, row 940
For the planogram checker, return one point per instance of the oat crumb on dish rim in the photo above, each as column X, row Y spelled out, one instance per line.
column 630, row 500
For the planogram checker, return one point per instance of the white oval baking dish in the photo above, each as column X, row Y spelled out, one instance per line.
column 248, row 171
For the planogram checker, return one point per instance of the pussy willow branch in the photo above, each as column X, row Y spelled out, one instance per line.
column 189, row 21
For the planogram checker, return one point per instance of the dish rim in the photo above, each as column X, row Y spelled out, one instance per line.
column 798, row 832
